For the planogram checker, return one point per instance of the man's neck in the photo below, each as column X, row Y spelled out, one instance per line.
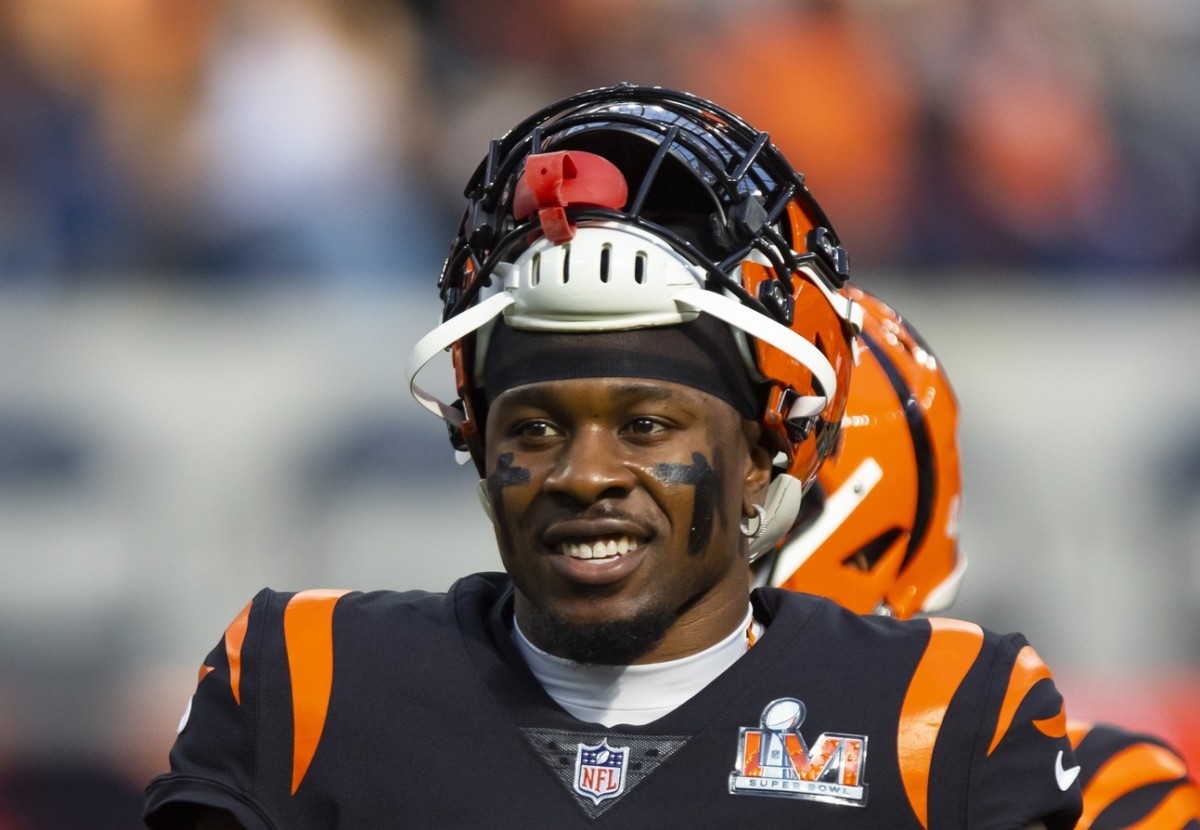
column 639, row 694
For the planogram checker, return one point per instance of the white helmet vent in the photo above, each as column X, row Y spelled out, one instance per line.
column 606, row 278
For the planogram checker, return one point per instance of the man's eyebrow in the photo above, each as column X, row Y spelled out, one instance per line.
column 647, row 391
column 533, row 395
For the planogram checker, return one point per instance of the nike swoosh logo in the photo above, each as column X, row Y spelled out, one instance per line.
column 1064, row 777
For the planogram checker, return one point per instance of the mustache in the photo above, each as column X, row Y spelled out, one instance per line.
column 596, row 510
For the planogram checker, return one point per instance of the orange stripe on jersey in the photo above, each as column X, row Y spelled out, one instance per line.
column 308, row 637
column 1133, row 767
column 1182, row 805
column 205, row 671
column 1054, row 726
column 235, row 635
column 952, row 649
column 1027, row 671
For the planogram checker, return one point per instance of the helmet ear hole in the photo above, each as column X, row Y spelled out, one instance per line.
column 868, row 556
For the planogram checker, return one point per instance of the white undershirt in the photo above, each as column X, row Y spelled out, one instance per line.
column 632, row 694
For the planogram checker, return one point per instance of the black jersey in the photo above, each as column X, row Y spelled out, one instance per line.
column 325, row 709
column 1132, row 780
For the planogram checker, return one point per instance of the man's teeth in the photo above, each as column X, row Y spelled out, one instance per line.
column 601, row 549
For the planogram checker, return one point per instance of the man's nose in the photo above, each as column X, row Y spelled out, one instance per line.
column 591, row 467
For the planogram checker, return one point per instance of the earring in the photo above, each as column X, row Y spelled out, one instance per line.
column 762, row 523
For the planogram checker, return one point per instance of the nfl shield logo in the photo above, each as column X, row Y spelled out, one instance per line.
column 600, row 770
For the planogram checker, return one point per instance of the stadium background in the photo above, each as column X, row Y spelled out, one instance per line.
column 220, row 226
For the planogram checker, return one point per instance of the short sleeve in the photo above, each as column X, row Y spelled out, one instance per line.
column 1024, row 768
column 213, row 761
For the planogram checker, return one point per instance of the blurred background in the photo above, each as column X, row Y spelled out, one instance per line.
column 221, row 223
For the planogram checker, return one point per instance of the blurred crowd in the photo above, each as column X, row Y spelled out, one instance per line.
column 328, row 140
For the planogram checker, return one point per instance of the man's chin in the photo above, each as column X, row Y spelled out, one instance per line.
column 609, row 642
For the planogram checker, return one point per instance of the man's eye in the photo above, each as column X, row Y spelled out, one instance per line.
column 537, row 429
column 645, row 426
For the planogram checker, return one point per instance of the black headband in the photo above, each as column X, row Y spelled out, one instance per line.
column 701, row 354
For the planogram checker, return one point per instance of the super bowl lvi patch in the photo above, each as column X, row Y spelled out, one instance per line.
column 774, row 760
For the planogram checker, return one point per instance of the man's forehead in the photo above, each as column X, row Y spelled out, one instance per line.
column 701, row 355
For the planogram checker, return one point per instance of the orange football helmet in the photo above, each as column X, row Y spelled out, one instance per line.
column 630, row 207
column 879, row 530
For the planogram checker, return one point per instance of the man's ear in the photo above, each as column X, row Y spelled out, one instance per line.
column 758, row 477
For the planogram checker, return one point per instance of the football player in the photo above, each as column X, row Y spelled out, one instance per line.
column 879, row 534
column 652, row 337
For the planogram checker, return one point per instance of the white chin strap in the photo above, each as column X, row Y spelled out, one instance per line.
column 442, row 338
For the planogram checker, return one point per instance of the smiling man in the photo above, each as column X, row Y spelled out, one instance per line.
column 653, row 341
column 618, row 500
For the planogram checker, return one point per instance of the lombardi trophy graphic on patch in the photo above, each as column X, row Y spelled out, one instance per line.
column 779, row 718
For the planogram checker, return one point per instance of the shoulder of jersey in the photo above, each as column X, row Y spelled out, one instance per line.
column 288, row 640
column 294, row 632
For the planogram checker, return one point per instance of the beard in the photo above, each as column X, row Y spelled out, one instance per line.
column 607, row 643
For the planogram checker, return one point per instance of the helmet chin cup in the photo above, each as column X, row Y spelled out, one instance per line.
column 784, row 496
